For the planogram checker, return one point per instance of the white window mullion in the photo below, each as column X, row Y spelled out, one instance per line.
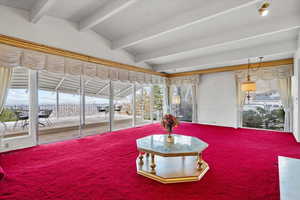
column 57, row 104
column 82, row 106
column 166, row 97
column 111, row 106
column 151, row 103
column 134, row 105
column 33, row 105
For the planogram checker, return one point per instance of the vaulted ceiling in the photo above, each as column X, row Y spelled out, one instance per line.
column 182, row 35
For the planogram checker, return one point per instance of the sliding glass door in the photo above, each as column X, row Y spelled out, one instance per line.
column 96, row 107
column 122, row 105
column 143, row 105
column 70, row 107
column 59, row 107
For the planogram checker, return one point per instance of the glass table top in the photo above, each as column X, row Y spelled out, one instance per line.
column 182, row 144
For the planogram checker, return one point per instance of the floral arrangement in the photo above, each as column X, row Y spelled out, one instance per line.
column 169, row 122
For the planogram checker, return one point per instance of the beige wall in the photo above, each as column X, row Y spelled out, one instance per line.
column 295, row 94
column 217, row 104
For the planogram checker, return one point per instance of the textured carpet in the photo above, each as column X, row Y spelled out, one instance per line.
column 1, row 173
column 243, row 166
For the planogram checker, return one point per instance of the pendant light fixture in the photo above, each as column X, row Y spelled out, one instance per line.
column 176, row 100
column 248, row 86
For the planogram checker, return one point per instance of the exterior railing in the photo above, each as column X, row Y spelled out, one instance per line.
column 67, row 110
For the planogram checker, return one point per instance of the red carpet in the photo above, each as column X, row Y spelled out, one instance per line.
column 243, row 166
column 1, row 173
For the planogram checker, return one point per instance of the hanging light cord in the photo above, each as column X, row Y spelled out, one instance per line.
column 260, row 61
column 248, row 75
column 248, row 79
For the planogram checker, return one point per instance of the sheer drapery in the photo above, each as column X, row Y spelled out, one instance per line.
column 166, row 106
column 284, row 89
column 195, row 97
column 240, row 100
column 5, row 76
column 192, row 81
column 266, row 73
column 12, row 56
column 184, row 80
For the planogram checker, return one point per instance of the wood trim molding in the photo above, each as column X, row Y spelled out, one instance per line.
column 16, row 42
column 234, row 67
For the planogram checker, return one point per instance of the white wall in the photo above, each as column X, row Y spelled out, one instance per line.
column 295, row 94
column 217, row 104
column 61, row 34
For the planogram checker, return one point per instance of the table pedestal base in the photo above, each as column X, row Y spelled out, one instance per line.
column 172, row 169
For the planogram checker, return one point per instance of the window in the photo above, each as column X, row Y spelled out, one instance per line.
column 75, row 106
column 96, row 107
column 264, row 109
column 59, row 107
column 14, row 119
column 157, row 102
column 181, row 102
column 123, row 97
column 142, row 105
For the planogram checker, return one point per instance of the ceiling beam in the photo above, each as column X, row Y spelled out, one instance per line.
column 182, row 21
column 16, row 42
column 235, row 67
column 106, row 11
column 266, row 28
column 39, row 9
column 276, row 48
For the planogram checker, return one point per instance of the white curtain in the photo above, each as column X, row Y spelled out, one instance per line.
column 184, row 80
column 284, row 89
column 266, row 73
column 12, row 57
column 195, row 104
column 5, row 76
column 240, row 101
column 170, row 99
column 166, row 107
column 192, row 82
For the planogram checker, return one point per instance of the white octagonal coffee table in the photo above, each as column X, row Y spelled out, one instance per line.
column 179, row 161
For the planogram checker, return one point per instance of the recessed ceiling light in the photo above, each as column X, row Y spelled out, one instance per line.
column 263, row 10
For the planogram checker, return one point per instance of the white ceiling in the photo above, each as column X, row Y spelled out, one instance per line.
column 176, row 35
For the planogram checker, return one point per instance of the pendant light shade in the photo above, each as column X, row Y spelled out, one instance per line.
column 176, row 100
column 248, row 86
